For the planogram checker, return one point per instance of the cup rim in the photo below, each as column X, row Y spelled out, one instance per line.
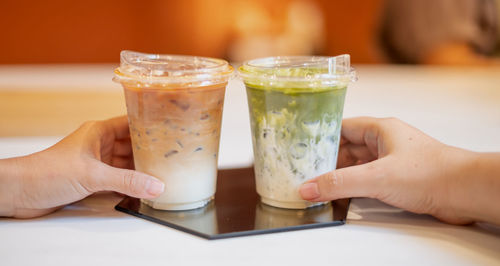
column 282, row 70
column 167, row 69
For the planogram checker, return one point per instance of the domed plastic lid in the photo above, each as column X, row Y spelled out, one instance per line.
column 167, row 70
column 298, row 71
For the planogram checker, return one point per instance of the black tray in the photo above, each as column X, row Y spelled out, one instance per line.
column 237, row 211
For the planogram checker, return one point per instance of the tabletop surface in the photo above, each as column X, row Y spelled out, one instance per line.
column 458, row 106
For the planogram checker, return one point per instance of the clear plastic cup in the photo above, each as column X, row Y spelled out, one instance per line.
column 296, row 106
column 267, row 217
column 174, row 106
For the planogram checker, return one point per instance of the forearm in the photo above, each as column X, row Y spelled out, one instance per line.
column 477, row 190
column 10, row 177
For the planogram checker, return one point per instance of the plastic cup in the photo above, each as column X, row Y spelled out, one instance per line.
column 270, row 217
column 203, row 219
column 174, row 107
column 296, row 106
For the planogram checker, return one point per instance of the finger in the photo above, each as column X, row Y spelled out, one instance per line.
column 359, row 152
column 119, row 126
column 356, row 130
column 350, row 154
column 129, row 182
column 122, row 147
column 345, row 158
column 363, row 131
column 343, row 140
column 123, row 162
column 355, row 181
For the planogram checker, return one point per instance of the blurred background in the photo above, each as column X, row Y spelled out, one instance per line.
column 372, row 31
column 56, row 54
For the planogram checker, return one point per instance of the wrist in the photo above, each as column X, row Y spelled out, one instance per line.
column 449, row 190
column 466, row 185
column 10, row 184
column 480, row 188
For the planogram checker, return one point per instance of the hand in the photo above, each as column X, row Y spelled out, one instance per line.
column 391, row 161
column 96, row 157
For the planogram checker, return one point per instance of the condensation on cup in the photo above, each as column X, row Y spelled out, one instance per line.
column 174, row 106
column 296, row 105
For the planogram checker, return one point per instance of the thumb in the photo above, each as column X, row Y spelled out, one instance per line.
column 355, row 181
column 129, row 182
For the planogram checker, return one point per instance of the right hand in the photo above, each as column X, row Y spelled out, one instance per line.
column 391, row 161
column 96, row 157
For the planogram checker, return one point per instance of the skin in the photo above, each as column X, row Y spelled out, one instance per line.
column 389, row 160
column 96, row 157
column 384, row 159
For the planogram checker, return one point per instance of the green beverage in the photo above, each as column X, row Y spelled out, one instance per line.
column 296, row 106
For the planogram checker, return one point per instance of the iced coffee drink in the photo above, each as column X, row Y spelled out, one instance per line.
column 296, row 106
column 174, row 106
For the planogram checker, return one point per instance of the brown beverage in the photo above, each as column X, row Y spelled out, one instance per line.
column 175, row 122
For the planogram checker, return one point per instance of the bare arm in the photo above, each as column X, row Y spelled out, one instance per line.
column 476, row 192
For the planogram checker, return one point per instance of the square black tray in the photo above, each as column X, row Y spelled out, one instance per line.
column 237, row 211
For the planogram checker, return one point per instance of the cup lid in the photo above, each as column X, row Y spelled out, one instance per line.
column 166, row 70
column 298, row 71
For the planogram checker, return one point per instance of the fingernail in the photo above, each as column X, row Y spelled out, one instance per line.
column 309, row 191
column 154, row 187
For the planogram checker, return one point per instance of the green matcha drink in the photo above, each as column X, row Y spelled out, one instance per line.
column 296, row 106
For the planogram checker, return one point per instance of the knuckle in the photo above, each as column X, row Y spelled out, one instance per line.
column 339, row 177
column 327, row 180
column 333, row 179
column 95, row 125
column 391, row 120
column 90, row 124
column 130, row 182
column 330, row 184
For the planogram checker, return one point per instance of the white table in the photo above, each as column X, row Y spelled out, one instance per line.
column 459, row 106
